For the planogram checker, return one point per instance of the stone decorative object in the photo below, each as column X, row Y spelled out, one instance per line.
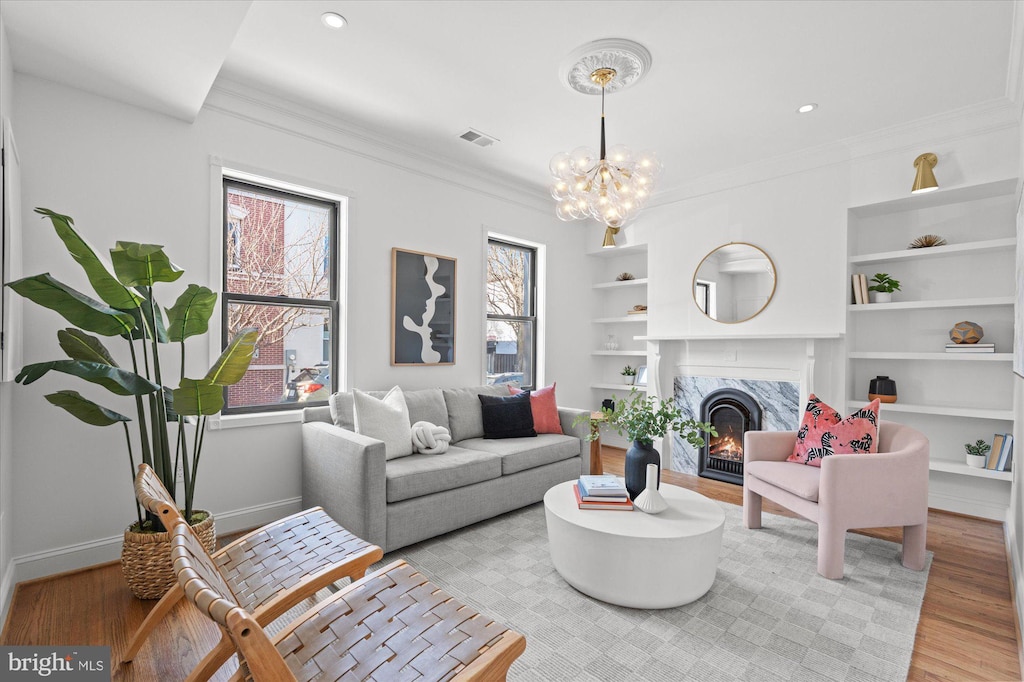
column 927, row 241
column 650, row 500
column 966, row 332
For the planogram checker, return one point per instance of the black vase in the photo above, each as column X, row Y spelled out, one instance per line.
column 638, row 457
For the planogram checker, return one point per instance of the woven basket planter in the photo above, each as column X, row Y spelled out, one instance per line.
column 146, row 559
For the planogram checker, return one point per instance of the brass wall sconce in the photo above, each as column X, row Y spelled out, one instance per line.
column 609, row 237
column 925, row 179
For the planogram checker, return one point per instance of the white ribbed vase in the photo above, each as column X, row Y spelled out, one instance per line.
column 650, row 500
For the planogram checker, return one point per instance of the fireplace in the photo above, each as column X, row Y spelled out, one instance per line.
column 732, row 412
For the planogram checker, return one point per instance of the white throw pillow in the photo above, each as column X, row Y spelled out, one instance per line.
column 385, row 419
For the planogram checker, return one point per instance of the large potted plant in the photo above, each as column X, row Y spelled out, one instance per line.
column 642, row 419
column 127, row 308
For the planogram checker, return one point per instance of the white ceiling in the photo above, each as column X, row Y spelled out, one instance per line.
column 722, row 91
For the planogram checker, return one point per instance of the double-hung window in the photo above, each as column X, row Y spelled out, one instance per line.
column 281, row 277
column 511, row 314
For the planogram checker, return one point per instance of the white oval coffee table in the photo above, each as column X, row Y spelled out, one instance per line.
column 643, row 561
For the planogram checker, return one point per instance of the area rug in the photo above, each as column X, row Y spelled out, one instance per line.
column 768, row 616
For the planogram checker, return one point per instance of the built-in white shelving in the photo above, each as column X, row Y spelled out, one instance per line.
column 940, row 410
column 956, row 357
column 621, row 353
column 936, row 251
column 625, row 388
column 970, row 278
column 622, row 284
column 630, row 319
column 941, row 303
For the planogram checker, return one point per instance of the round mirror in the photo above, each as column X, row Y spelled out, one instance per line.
column 734, row 282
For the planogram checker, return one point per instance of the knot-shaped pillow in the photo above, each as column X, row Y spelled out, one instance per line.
column 430, row 439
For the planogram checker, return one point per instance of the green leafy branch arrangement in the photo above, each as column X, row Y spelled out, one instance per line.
column 642, row 418
column 127, row 308
column 884, row 284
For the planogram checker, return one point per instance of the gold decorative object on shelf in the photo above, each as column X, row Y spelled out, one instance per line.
column 966, row 332
column 624, row 277
column 927, row 241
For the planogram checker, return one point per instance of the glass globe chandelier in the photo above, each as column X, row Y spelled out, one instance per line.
column 611, row 187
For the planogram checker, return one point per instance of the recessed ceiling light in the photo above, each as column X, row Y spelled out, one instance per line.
column 332, row 20
column 807, row 108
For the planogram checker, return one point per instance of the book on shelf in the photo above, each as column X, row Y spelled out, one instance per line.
column 857, row 298
column 864, row 288
column 993, row 455
column 1005, row 453
column 970, row 348
column 602, row 485
column 608, row 505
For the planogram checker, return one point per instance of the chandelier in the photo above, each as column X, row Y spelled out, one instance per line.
column 610, row 187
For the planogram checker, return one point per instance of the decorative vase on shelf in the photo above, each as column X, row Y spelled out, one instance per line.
column 650, row 500
column 976, row 461
column 628, row 379
column 638, row 456
column 611, row 343
column 883, row 388
column 882, row 296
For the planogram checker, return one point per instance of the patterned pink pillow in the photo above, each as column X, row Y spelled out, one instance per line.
column 824, row 432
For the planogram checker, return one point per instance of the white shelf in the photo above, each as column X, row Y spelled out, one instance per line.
column 1007, row 243
column 956, row 357
column 621, row 353
column 617, row 320
column 961, row 469
column 941, row 303
column 623, row 284
column 943, row 197
column 619, row 387
column 729, row 337
column 623, row 250
column 942, row 410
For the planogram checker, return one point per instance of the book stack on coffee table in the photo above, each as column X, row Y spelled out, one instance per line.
column 602, row 492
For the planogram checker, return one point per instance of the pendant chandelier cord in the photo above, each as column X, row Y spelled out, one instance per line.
column 602, row 124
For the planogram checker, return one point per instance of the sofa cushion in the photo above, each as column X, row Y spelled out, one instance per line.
column 520, row 454
column 385, row 419
column 545, row 409
column 465, row 417
column 425, row 405
column 508, row 416
column 792, row 477
column 419, row 475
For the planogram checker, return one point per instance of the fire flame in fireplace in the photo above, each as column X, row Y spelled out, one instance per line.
column 726, row 447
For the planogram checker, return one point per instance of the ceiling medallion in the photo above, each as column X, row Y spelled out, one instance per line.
column 630, row 60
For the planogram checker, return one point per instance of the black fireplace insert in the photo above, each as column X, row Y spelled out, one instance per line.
column 732, row 412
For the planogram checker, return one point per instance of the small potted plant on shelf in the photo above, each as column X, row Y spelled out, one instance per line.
column 976, row 453
column 641, row 419
column 126, row 309
column 883, row 287
column 628, row 375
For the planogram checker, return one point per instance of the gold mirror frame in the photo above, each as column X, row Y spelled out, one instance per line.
column 771, row 294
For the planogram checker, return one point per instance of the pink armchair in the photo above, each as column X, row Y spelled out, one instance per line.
column 848, row 491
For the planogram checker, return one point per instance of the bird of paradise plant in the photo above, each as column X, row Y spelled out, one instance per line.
column 126, row 307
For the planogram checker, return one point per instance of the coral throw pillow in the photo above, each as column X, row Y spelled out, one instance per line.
column 825, row 432
column 545, row 409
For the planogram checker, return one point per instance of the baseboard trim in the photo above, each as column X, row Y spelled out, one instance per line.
column 6, row 593
column 104, row 550
column 967, row 506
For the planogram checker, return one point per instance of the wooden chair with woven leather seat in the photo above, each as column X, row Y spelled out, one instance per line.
column 270, row 570
column 392, row 624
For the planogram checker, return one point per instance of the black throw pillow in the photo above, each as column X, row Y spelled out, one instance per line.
column 510, row 417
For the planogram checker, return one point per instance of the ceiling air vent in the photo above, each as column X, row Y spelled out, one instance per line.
column 478, row 138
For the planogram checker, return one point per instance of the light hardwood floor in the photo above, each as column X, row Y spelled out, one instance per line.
column 966, row 631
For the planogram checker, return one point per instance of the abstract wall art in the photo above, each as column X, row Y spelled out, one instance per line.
column 422, row 308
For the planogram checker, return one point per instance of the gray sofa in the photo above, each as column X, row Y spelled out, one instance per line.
column 393, row 503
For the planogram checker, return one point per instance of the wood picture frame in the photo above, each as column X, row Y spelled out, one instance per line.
column 423, row 303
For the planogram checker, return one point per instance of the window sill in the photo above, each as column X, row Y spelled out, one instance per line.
column 236, row 421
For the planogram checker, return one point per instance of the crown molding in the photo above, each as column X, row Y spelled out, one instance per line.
column 969, row 121
column 270, row 111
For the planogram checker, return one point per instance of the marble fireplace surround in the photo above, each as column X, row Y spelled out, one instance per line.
column 778, row 371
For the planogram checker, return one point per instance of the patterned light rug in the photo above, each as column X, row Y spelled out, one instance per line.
column 769, row 615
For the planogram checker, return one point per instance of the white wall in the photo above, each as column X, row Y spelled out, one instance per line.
column 6, row 421
column 123, row 172
column 1015, row 514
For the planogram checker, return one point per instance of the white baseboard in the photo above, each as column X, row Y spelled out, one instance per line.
column 84, row 554
column 968, row 506
column 6, row 591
